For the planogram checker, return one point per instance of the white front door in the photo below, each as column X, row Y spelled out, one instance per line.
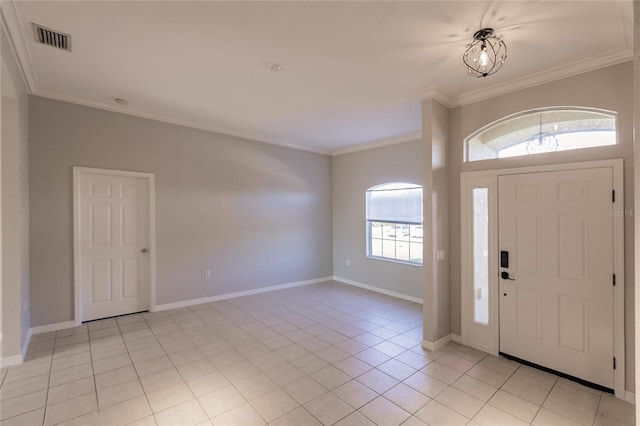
column 113, row 225
column 556, row 305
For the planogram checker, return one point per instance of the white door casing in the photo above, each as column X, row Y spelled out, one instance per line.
column 114, row 244
column 556, row 298
column 487, row 336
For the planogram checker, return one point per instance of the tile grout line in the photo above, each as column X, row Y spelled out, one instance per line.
column 595, row 415
column 95, row 384
column 545, row 398
column 95, row 389
column 327, row 314
column 206, row 357
column 237, row 390
column 279, row 386
column 46, row 400
column 180, row 373
column 492, row 395
column 146, row 396
column 495, row 393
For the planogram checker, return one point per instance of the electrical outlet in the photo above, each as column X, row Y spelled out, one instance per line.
column 207, row 274
column 348, row 262
column 439, row 255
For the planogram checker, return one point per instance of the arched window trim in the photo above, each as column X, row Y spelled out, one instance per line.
column 466, row 154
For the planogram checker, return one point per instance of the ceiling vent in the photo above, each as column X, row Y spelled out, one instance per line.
column 51, row 37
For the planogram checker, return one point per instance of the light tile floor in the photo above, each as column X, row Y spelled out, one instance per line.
column 319, row 354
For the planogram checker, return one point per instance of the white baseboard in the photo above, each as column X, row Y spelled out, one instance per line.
column 442, row 342
column 25, row 344
column 17, row 359
column 438, row 344
column 11, row 360
column 191, row 302
column 52, row 327
column 378, row 289
column 630, row 397
column 70, row 324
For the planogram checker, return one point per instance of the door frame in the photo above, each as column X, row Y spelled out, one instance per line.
column 77, row 231
column 489, row 178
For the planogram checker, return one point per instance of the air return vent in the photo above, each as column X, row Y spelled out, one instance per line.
column 51, row 37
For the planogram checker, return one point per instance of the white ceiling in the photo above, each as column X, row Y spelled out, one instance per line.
column 352, row 72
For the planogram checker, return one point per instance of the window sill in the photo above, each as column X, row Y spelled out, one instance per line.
column 402, row 262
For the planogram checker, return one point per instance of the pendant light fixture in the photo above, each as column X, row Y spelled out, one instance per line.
column 485, row 55
column 542, row 141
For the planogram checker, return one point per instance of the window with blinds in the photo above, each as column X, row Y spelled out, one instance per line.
column 394, row 222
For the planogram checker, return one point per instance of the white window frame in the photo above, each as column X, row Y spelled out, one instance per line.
column 369, row 235
column 485, row 337
column 467, row 140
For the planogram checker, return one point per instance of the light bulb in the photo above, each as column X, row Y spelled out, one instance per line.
column 484, row 58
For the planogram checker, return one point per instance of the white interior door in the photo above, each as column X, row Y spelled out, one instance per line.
column 113, row 214
column 557, row 311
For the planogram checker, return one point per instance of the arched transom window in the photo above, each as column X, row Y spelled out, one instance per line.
column 542, row 131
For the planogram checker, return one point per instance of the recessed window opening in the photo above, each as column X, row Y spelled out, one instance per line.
column 394, row 222
column 542, row 131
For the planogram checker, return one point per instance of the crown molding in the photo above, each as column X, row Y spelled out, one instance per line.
column 163, row 119
column 532, row 80
column 17, row 40
column 437, row 94
column 547, row 76
column 408, row 137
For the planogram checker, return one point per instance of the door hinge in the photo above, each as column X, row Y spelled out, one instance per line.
column 613, row 196
column 614, row 280
column 614, row 362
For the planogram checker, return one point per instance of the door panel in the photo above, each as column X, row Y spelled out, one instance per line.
column 527, row 237
column 558, row 309
column 114, row 228
column 528, row 314
column 574, row 323
column 100, row 225
column 129, row 235
column 573, row 236
column 101, row 288
column 130, row 278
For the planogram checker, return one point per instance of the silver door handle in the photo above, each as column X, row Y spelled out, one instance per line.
column 144, row 250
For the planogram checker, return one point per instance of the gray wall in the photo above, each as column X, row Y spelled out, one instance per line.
column 636, row 108
column 15, row 206
column 353, row 174
column 435, row 138
column 254, row 214
column 607, row 88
